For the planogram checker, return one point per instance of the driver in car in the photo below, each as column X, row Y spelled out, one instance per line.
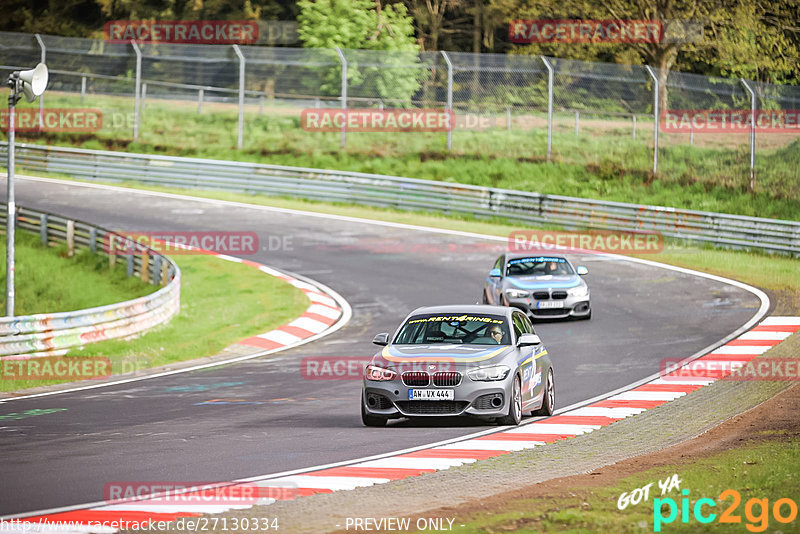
column 496, row 334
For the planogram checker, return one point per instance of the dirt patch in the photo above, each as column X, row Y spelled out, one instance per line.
column 774, row 420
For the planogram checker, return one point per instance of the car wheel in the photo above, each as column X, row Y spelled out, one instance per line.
column 549, row 400
column 370, row 420
column 484, row 298
column 514, row 415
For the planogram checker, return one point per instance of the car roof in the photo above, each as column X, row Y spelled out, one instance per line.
column 471, row 309
column 517, row 255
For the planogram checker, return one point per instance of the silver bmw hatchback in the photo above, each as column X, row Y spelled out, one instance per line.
column 480, row 361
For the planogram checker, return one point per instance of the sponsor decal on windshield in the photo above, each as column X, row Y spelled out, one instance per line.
column 539, row 259
column 448, row 318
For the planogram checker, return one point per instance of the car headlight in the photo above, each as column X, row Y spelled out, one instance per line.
column 516, row 293
column 378, row 374
column 486, row 374
column 580, row 291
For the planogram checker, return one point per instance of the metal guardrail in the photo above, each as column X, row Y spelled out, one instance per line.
column 44, row 334
column 732, row 231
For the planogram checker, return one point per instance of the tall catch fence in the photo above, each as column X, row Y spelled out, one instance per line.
column 552, row 109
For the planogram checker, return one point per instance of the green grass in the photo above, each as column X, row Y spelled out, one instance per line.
column 47, row 280
column 765, row 470
column 603, row 162
column 221, row 303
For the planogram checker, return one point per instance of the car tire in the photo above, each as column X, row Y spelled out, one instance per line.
column 484, row 298
column 514, row 415
column 549, row 398
column 370, row 420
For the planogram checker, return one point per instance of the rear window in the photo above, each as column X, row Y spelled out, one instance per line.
column 454, row 329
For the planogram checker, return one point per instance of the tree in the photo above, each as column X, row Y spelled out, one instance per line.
column 365, row 25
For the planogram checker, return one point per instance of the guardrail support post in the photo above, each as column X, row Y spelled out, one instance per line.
column 549, row 106
column 70, row 238
column 655, row 116
column 93, row 239
column 156, row 270
column 130, row 266
column 43, row 229
column 343, row 61
column 752, row 134
column 137, row 89
column 449, row 98
column 43, row 60
column 241, row 95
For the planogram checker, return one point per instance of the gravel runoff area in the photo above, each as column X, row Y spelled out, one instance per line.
column 657, row 428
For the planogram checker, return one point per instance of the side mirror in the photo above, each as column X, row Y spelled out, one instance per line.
column 526, row 340
column 495, row 273
column 581, row 270
column 381, row 339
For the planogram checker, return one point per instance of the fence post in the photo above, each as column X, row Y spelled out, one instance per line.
column 508, row 118
column 137, row 90
column 83, row 88
column 200, row 101
column 549, row 106
column 577, row 119
column 752, row 134
column 43, row 60
column 241, row 95
column 93, row 239
column 70, row 238
column 634, row 127
column 144, row 96
column 343, row 61
column 655, row 116
column 43, row 228
column 449, row 98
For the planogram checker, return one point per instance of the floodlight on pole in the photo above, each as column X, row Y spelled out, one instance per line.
column 30, row 83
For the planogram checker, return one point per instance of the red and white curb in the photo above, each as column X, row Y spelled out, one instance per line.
column 379, row 470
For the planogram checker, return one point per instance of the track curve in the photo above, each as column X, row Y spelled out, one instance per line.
column 155, row 430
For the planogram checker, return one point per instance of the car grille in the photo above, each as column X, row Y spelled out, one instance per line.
column 445, row 379
column 559, row 294
column 484, row 402
column 551, row 311
column 541, row 295
column 378, row 402
column 416, row 378
column 432, row 407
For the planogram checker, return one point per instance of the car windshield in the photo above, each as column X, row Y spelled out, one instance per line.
column 451, row 328
column 539, row 266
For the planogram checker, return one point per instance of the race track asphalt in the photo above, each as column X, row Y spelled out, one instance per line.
column 156, row 430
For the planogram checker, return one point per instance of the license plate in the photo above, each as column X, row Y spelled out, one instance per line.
column 431, row 394
column 550, row 304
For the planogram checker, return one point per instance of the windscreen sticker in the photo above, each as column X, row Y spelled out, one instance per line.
column 459, row 318
column 538, row 259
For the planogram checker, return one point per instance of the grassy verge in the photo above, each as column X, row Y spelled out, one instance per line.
column 765, row 470
column 47, row 280
column 221, row 303
column 602, row 162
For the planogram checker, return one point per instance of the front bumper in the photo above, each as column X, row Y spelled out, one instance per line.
column 572, row 307
column 389, row 399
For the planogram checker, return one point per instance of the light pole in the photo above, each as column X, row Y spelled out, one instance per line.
column 31, row 83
